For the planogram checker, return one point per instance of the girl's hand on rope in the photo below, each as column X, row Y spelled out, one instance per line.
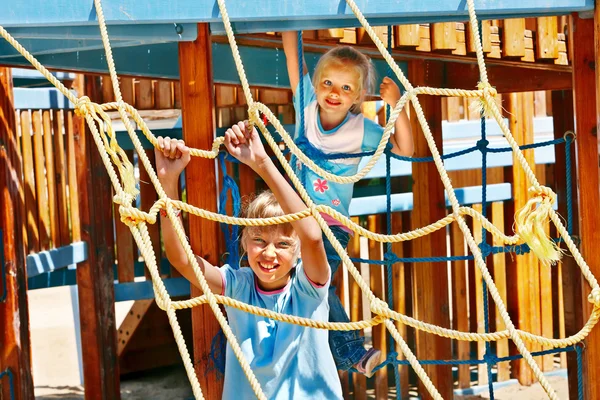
column 389, row 91
column 172, row 156
column 245, row 145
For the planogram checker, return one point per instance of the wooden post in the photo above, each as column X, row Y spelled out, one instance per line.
column 570, row 276
column 430, row 283
column 195, row 69
column 15, row 347
column 95, row 276
column 586, row 118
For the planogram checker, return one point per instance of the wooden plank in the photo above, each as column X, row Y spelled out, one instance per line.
column 499, row 273
column 41, row 192
column 540, row 103
column 73, row 128
column 406, row 35
column 519, row 274
column 108, row 94
column 148, row 197
column 486, row 43
column 32, row 234
column 130, row 323
column 379, row 332
column 482, row 377
column 126, row 248
column 513, row 37
column 95, row 276
column 163, row 94
column 60, row 164
column 461, row 40
column 225, row 95
column 443, row 36
column 198, row 127
column 570, row 276
column 460, row 306
column 15, row 352
column 585, row 94
column 424, row 38
column 144, row 98
column 399, row 283
column 453, row 105
column 356, row 310
column 547, row 38
column 127, row 90
column 330, row 34
column 430, row 292
column 51, row 178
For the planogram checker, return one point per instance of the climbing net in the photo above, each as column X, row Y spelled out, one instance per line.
column 529, row 221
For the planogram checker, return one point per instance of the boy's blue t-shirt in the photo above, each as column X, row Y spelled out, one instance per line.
column 289, row 361
column 356, row 134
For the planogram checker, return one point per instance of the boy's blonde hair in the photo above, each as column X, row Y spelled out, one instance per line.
column 265, row 205
column 348, row 57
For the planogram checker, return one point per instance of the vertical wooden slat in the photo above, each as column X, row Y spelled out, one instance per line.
column 513, row 37
column 163, row 95
column 108, row 94
column 195, row 64
column 586, row 104
column 148, row 197
column 32, row 234
column 379, row 331
column 499, row 273
column 430, row 287
column 41, row 192
column 144, row 100
column 406, row 35
column 482, row 377
column 73, row 129
column 95, row 275
column 128, row 90
column 60, row 166
column 51, row 178
column 547, row 38
column 15, row 348
column 356, row 310
column 126, row 249
column 399, row 295
column 443, row 36
column 460, row 307
column 570, row 276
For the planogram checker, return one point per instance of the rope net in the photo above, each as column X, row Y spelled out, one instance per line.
column 529, row 221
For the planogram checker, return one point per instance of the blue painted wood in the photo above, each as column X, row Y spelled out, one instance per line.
column 38, row 47
column 55, row 259
column 307, row 14
column 143, row 290
column 40, row 98
column 404, row 201
column 161, row 32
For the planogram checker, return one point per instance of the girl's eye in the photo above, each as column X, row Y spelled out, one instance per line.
column 258, row 240
column 284, row 245
column 346, row 88
column 327, row 82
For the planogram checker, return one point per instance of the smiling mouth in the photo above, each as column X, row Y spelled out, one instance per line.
column 268, row 268
column 332, row 103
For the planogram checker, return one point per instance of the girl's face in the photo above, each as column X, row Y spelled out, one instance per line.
column 271, row 255
column 338, row 90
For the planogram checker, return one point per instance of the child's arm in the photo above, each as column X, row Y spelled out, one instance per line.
column 402, row 140
column 172, row 156
column 246, row 146
column 290, row 48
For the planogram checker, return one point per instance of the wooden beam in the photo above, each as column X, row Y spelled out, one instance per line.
column 562, row 110
column 198, row 132
column 95, row 276
column 585, row 91
column 430, row 289
column 15, row 348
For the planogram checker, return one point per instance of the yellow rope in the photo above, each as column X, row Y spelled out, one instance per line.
column 529, row 220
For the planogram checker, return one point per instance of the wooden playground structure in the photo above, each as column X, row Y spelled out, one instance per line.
column 56, row 199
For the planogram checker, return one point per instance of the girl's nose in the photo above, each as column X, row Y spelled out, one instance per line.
column 270, row 251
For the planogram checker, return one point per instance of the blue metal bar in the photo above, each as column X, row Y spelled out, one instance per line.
column 143, row 290
column 39, row 47
column 301, row 14
column 55, row 259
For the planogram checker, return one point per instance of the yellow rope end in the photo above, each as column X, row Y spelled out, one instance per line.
column 594, row 297
column 481, row 105
column 530, row 223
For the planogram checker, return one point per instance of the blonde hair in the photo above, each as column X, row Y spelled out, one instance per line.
column 348, row 57
column 265, row 205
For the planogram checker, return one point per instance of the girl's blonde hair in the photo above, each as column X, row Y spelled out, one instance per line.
column 265, row 205
column 348, row 57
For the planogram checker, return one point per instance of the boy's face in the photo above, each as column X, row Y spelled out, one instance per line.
column 338, row 89
column 271, row 255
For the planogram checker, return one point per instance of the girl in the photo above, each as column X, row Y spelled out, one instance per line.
column 334, row 124
column 290, row 361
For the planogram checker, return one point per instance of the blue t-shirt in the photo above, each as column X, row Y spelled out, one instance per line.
column 289, row 361
column 356, row 134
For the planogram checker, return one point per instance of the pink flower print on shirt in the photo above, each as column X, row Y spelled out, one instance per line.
column 298, row 164
column 321, row 185
column 336, row 202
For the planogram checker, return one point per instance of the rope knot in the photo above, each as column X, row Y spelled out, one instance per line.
column 482, row 144
column 123, row 198
column 131, row 216
column 486, row 249
column 379, row 307
column 82, row 106
column 594, row 297
column 490, row 358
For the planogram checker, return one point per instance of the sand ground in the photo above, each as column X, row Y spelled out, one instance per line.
column 56, row 361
